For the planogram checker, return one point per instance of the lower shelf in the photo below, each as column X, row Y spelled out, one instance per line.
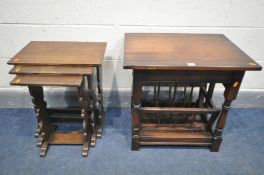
column 191, row 144
column 70, row 138
column 180, row 134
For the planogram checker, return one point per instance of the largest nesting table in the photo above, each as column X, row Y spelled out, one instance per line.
column 67, row 64
column 174, row 76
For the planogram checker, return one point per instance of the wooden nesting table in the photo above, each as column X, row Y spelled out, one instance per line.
column 66, row 64
column 174, row 76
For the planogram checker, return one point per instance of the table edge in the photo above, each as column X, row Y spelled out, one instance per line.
column 256, row 68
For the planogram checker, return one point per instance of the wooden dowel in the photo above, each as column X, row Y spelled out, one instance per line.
column 155, row 98
column 184, row 96
column 169, row 95
column 190, row 97
column 210, row 90
column 174, row 94
column 158, row 95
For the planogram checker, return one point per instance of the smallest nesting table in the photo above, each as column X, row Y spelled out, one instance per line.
column 66, row 64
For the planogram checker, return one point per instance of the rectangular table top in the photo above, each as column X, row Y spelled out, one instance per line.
column 54, row 70
column 47, row 80
column 164, row 51
column 60, row 53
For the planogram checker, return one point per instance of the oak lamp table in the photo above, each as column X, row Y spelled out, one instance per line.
column 174, row 76
column 67, row 64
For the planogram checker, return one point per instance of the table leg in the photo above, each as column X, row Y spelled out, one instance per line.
column 44, row 124
column 86, row 125
column 32, row 92
column 100, row 101
column 94, row 117
column 230, row 94
column 136, row 96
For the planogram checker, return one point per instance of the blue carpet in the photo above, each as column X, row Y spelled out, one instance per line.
column 242, row 150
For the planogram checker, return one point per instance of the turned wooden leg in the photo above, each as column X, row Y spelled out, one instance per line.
column 137, row 96
column 94, row 116
column 100, row 101
column 36, row 93
column 84, row 115
column 230, row 94
column 135, row 131
column 217, row 138
column 43, row 124
column 94, row 120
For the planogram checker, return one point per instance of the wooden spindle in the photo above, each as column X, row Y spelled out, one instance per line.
column 190, row 96
column 155, row 93
column 174, row 94
column 158, row 95
column 157, row 104
column 169, row 95
column 184, row 96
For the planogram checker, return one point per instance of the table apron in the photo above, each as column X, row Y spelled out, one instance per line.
column 147, row 76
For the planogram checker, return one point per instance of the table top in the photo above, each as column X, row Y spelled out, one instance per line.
column 47, row 80
column 164, row 51
column 52, row 70
column 60, row 53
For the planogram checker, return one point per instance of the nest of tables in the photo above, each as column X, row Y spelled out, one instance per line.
column 63, row 64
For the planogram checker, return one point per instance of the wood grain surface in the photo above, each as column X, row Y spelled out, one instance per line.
column 184, row 52
column 60, row 53
column 58, row 70
column 47, row 80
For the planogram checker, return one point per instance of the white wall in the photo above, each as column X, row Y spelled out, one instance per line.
column 94, row 20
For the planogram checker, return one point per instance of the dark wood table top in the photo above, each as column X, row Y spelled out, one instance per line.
column 160, row 51
column 60, row 53
column 47, row 80
column 52, row 70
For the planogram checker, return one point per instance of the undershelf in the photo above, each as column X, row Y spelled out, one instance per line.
column 183, row 134
column 71, row 138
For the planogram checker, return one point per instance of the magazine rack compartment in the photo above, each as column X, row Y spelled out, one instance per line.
column 177, row 114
